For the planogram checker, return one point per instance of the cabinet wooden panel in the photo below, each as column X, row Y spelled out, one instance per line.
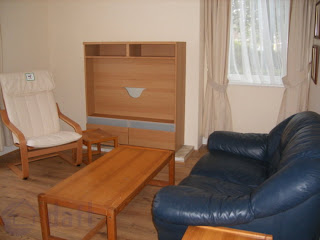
column 156, row 101
column 158, row 68
column 152, row 138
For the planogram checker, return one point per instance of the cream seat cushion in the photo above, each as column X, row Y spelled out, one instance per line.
column 54, row 139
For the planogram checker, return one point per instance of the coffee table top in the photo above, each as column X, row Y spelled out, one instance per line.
column 111, row 180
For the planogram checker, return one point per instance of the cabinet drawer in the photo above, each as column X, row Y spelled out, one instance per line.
column 152, row 138
column 121, row 132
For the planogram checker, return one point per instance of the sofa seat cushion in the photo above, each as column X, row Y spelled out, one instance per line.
column 189, row 205
column 216, row 186
column 54, row 139
column 232, row 168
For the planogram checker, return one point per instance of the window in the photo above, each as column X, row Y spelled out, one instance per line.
column 258, row 42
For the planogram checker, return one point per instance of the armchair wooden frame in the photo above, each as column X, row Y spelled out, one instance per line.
column 30, row 154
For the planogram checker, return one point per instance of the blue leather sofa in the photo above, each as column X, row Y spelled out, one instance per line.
column 268, row 183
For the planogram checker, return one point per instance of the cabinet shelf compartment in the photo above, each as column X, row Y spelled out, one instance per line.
column 152, row 50
column 115, row 50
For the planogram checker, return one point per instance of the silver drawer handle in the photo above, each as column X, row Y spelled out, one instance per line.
column 134, row 92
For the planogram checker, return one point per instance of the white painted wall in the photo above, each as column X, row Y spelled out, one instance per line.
column 73, row 22
column 24, row 34
column 254, row 109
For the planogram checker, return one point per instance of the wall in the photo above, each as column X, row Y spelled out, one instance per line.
column 254, row 109
column 73, row 22
column 24, row 34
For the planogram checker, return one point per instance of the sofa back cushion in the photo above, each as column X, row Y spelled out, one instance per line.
column 300, row 140
column 273, row 155
column 296, row 176
column 290, row 133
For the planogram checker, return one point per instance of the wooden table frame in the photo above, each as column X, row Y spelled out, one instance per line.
column 96, row 136
column 114, row 207
column 222, row 233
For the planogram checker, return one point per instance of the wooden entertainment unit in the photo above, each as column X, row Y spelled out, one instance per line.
column 136, row 90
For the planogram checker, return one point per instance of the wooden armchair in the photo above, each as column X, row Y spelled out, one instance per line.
column 33, row 117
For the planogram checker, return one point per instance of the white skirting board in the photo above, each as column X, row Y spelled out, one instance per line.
column 181, row 155
column 204, row 140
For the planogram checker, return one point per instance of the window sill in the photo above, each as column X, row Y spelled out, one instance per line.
column 254, row 85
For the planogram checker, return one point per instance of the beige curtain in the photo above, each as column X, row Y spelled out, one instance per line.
column 296, row 82
column 217, row 111
column 5, row 134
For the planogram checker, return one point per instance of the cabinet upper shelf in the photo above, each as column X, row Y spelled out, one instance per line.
column 156, row 50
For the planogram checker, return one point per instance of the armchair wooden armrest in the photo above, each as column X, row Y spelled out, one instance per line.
column 69, row 121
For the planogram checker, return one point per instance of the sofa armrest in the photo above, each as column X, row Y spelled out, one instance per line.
column 184, row 205
column 253, row 145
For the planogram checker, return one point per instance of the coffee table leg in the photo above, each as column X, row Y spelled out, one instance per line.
column 111, row 224
column 44, row 218
column 172, row 171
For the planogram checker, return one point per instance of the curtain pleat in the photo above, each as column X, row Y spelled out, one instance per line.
column 296, row 82
column 217, row 111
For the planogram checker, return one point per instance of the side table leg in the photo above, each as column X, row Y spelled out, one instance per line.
column 99, row 148
column 111, row 224
column 89, row 153
column 44, row 217
column 172, row 171
column 115, row 142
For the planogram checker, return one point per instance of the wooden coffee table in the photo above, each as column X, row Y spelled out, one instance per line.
column 222, row 233
column 107, row 185
column 96, row 136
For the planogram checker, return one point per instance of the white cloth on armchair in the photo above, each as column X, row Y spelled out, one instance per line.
column 31, row 107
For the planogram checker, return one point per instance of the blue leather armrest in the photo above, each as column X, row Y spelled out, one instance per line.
column 192, row 206
column 251, row 145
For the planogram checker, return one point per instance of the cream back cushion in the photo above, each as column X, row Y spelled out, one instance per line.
column 30, row 104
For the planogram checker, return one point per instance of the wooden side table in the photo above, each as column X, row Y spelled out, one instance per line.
column 222, row 233
column 96, row 136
